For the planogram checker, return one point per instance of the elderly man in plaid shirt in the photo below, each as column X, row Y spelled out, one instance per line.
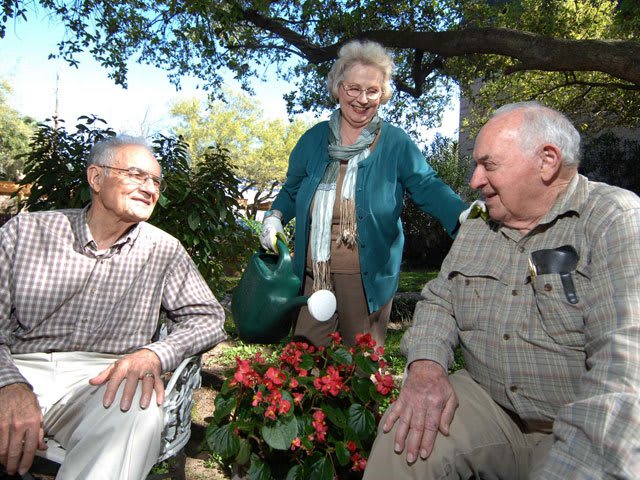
column 80, row 296
column 543, row 297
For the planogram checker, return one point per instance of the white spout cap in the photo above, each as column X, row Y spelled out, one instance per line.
column 322, row 305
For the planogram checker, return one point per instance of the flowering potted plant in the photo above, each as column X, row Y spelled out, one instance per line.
column 307, row 413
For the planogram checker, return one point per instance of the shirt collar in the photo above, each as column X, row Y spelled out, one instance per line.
column 570, row 201
column 85, row 239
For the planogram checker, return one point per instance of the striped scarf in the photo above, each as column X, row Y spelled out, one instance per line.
column 325, row 197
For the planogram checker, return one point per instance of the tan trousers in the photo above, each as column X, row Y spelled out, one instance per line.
column 351, row 317
column 101, row 443
column 484, row 442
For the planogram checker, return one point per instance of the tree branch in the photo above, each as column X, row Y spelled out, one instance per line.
column 617, row 58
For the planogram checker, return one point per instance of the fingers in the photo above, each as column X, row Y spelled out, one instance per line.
column 392, row 416
column 102, row 376
column 448, row 413
column 268, row 238
column 28, row 451
column 129, row 391
column 20, row 427
column 141, row 367
column 151, row 383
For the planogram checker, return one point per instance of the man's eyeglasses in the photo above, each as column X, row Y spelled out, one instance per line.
column 354, row 91
column 140, row 177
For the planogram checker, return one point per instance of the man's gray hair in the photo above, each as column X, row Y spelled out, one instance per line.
column 364, row 52
column 104, row 152
column 540, row 125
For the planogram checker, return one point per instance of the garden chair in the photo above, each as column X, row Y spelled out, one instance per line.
column 178, row 404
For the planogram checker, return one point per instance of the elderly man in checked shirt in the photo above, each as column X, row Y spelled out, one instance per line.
column 80, row 296
column 544, row 301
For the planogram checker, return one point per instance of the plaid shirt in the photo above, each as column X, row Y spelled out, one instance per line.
column 537, row 354
column 58, row 293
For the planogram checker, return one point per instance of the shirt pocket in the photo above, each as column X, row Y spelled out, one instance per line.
column 561, row 320
column 474, row 297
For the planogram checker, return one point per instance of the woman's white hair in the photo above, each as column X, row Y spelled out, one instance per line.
column 540, row 125
column 362, row 52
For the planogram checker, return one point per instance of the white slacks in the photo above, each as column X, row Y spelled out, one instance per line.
column 101, row 443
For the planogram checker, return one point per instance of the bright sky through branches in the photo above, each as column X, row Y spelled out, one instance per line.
column 141, row 109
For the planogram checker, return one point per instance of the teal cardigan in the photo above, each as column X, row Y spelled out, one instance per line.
column 395, row 166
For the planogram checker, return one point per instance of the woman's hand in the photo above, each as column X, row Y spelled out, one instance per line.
column 426, row 406
column 271, row 226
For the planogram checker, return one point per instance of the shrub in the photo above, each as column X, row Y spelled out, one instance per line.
column 612, row 160
column 302, row 412
column 426, row 241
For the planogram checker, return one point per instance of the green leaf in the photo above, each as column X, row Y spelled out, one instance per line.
column 258, row 469
column 244, row 452
column 367, row 365
column 281, row 433
column 335, row 415
column 194, row 220
column 223, row 440
column 342, row 453
column 322, row 470
column 362, row 387
column 342, row 355
column 224, row 406
column 361, row 420
column 295, row 473
column 306, row 363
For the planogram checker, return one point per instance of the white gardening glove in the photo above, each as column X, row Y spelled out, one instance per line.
column 477, row 209
column 270, row 227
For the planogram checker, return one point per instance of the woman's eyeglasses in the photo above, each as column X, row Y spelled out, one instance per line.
column 354, row 91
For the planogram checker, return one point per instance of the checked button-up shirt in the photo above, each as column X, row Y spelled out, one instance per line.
column 59, row 293
column 537, row 353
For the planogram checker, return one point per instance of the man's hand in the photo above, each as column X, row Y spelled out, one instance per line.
column 21, row 432
column 141, row 366
column 426, row 405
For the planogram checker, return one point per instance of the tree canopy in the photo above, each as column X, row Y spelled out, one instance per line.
column 258, row 148
column 578, row 55
column 15, row 131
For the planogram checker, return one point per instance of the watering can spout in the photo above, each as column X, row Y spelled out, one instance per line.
column 294, row 302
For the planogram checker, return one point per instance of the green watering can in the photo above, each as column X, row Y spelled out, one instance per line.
column 268, row 293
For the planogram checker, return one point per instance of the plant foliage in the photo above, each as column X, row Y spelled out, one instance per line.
column 304, row 412
column 426, row 240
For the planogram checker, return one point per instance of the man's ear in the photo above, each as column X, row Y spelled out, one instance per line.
column 551, row 162
column 94, row 177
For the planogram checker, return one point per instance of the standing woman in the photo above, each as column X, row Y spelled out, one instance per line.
column 345, row 186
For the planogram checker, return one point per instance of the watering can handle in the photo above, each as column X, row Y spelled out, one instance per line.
column 284, row 260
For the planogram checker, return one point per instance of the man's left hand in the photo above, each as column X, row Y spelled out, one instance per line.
column 141, row 366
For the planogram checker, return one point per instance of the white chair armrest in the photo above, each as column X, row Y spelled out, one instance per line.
column 177, row 406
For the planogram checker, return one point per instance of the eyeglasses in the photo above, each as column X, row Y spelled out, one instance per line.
column 140, row 177
column 354, row 91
